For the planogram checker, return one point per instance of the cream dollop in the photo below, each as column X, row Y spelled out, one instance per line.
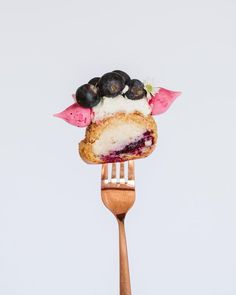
column 111, row 105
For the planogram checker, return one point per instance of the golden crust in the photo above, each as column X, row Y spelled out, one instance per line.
column 94, row 131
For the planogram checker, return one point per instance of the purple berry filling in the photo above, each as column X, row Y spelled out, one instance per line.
column 134, row 148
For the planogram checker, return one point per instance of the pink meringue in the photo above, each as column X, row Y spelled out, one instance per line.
column 76, row 115
column 162, row 100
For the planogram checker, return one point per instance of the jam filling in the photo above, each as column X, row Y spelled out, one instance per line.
column 134, row 148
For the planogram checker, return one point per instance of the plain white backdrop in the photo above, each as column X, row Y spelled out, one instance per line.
column 56, row 237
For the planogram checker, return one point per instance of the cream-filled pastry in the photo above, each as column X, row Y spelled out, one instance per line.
column 118, row 113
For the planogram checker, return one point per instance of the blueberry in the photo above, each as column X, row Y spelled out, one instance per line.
column 87, row 96
column 94, row 81
column 136, row 90
column 111, row 84
column 125, row 76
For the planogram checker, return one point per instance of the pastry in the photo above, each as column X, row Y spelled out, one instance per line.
column 118, row 113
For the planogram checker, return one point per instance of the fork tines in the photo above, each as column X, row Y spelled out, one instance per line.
column 118, row 172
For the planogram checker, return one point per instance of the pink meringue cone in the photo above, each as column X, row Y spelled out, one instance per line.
column 162, row 100
column 76, row 115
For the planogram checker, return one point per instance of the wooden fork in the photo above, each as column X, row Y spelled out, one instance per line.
column 118, row 195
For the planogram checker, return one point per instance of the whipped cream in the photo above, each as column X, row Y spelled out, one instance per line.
column 124, row 134
column 111, row 105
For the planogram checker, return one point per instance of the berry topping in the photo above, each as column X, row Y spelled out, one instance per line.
column 136, row 90
column 87, row 96
column 94, row 81
column 111, row 84
column 125, row 76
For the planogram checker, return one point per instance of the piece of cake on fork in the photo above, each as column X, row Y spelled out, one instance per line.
column 118, row 113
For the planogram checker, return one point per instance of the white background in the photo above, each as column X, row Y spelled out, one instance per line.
column 55, row 235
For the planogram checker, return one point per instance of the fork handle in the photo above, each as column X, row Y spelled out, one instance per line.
column 125, row 287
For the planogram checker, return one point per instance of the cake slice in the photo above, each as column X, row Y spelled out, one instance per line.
column 119, row 138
